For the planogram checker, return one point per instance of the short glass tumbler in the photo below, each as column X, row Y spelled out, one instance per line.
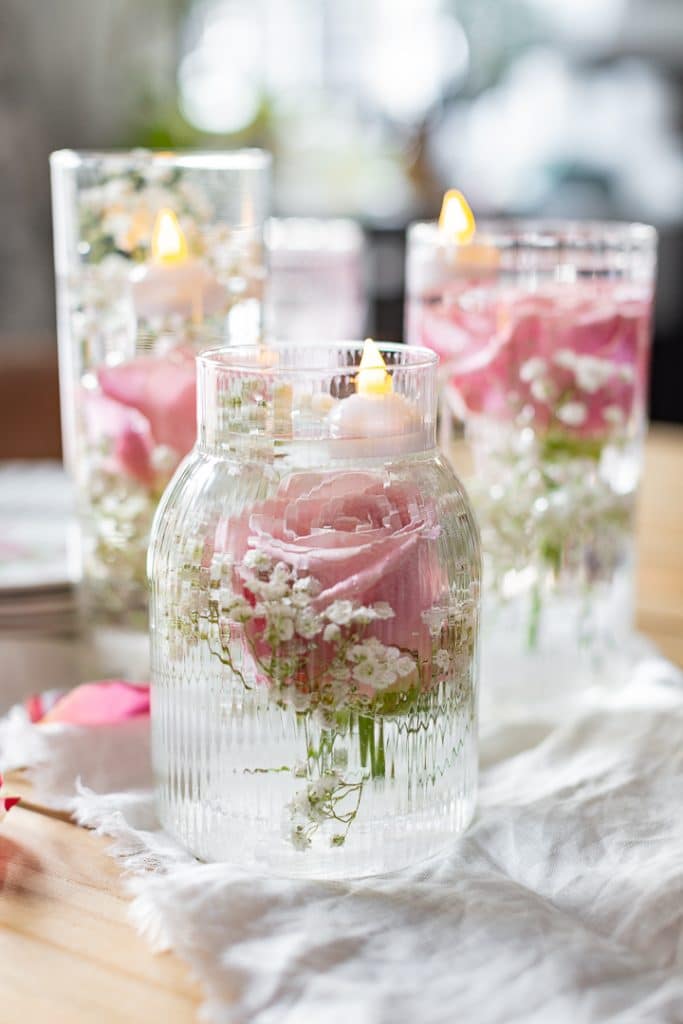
column 152, row 250
column 314, row 571
column 544, row 334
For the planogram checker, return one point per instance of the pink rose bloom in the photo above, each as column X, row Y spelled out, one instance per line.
column 162, row 389
column 575, row 356
column 125, row 430
column 363, row 539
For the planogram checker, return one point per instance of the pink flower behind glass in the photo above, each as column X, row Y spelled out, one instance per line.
column 574, row 357
column 124, row 430
column 362, row 539
column 162, row 389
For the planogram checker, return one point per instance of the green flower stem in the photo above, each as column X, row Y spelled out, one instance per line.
column 534, row 618
column 371, row 753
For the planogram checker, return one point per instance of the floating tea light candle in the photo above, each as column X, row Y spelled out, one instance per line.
column 174, row 282
column 375, row 410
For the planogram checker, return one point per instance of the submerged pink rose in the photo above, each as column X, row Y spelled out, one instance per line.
column 162, row 389
column 124, row 431
column 143, row 405
column 362, row 538
column 572, row 357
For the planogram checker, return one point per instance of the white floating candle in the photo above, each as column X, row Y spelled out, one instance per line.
column 174, row 283
column 375, row 411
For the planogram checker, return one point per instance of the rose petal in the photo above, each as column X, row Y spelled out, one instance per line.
column 163, row 390
column 103, row 703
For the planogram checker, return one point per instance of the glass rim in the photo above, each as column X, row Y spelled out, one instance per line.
column 245, row 358
column 547, row 234
column 311, row 235
column 247, row 158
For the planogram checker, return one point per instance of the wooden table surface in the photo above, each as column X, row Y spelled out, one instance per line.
column 68, row 954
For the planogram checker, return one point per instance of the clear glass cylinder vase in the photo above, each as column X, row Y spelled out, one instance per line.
column 152, row 251
column 314, row 571
column 544, row 333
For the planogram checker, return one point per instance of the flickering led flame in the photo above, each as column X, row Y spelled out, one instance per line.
column 372, row 377
column 168, row 240
column 456, row 220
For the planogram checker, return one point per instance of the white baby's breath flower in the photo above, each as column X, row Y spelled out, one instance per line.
column 332, row 633
column 572, row 413
column 307, row 585
column 299, row 701
column 366, row 671
column 299, row 805
column 614, row 415
column 281, row 573
column 386, row 676
column 280, row 626
column 308, row 624
column 364, row 616
column 272, row 590
column 383, row 610
column 442, row 660
column 340, row 612
column 543, row 390
column 433, row 618
column 164, row 459
column 220, row 567
column 405, row 666
column 593, row 373
column 236, row 607
column 325, row 786
column 566, row 358
column 532, row 368
column 257, row 560
column 299, row 837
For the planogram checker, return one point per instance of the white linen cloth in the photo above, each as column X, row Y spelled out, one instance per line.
column 562, row 903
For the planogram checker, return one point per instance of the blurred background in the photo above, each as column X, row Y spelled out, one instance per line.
column 371, row 109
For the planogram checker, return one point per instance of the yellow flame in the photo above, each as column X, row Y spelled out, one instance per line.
column 168, row 240
column 456, row 220
column 372, row 377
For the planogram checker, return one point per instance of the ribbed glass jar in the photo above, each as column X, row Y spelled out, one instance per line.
column 314, row 571
column 153, row 253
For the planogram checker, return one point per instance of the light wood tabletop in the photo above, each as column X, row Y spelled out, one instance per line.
column 68, row 953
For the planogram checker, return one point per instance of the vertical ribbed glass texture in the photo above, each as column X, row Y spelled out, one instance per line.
column 314, row 617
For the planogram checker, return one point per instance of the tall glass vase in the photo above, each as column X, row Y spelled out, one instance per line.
column 152, row 251
column 544, row 334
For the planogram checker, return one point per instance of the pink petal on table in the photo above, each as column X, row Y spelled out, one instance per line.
column 163, row 390
column 6, row 802
column 104, row 703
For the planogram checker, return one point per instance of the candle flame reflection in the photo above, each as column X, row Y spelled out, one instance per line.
column 456, row 220
column 168, row 241
column 372, row 377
